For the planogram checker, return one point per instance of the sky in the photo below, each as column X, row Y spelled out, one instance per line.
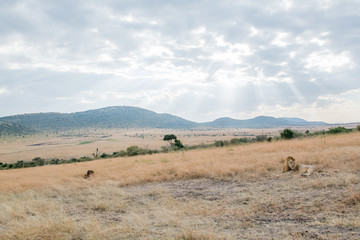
column 199, row 60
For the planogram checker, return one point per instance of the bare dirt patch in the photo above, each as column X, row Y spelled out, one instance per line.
column 283, row 207
column 288, row 206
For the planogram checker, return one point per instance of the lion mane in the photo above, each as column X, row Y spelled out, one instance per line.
column 291, row 165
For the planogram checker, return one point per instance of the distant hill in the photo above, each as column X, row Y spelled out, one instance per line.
column 109, row 117
column 132, row 117
column 11, row 129
column 260, row 122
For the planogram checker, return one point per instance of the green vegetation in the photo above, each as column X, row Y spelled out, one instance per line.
column 86, row 142
column 174, row 142
column 287, row 134
column 335, row 130
column 12, row 129
column 338, row 130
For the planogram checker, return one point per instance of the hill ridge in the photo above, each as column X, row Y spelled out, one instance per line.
column 136, row 117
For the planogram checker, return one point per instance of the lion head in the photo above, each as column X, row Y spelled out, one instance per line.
column 290, row 164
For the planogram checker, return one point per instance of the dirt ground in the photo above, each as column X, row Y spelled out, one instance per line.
column 282, row 207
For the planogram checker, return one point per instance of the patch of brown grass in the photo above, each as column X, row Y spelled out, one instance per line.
column 335, row 153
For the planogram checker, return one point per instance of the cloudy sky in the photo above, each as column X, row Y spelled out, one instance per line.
column 199, row 60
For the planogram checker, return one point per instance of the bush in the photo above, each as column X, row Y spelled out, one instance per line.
column 358, row 127
column 104, row 155
column 298, row 134
column 19, row 164
column 135, row 150
column 260, row 138
column 287, row 134
column 338, row 130
column 55, row 161
column 38, row 161
column 219, row 143
column 178, row 144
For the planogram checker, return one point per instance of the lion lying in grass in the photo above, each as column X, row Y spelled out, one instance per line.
column 89, row 173
column 291, row 165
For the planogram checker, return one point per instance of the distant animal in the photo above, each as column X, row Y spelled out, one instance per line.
column 291, row 165
column 89, row 173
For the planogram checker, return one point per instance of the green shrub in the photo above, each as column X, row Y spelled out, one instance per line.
column 178, row 144
column 104, row 155
column 358, row 127
column 19, row 164
column 338, row 130
column 287, row 134
column 298, row 134
column 219, row 143
column 135, row 150
column 38, row 161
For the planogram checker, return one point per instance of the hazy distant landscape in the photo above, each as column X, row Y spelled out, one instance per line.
column 130, row 117
column 179, row 120
column 75, row 135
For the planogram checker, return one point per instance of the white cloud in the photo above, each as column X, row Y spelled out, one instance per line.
column 3, row 91
column 327, row 61
column 284, row 55
column 281, row 39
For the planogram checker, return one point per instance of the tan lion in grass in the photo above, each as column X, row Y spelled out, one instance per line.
column 89, row 173
column 291, row 165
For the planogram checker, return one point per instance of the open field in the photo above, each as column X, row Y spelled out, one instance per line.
column 220, row 193
column 75, row 144
column 79, row 143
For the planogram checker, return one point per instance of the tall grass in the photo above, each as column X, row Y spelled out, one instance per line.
column 336, row 152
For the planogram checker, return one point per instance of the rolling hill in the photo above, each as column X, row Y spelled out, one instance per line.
column 132, row 117
column 7, row 129
column 109, row 117
column 259, row 122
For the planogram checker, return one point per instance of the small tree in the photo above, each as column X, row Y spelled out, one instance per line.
column 287, row 134
column 358, row 127
column 171, row 138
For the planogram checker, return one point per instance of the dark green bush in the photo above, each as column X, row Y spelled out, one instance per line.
column 104, row 155
column 38, row 161
column 338, row 130
column 219, row 143
column 178, row 144
column 287, row 134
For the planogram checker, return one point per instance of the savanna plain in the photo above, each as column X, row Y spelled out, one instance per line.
column 230, row 192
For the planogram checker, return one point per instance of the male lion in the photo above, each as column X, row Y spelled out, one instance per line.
column 291, row 165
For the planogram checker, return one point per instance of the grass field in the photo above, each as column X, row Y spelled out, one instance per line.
column 235, row 192
column 75, row 144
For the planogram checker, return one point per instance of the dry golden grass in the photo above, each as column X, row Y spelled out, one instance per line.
column 220, row 193
column 76, row 144
column 339, row 153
